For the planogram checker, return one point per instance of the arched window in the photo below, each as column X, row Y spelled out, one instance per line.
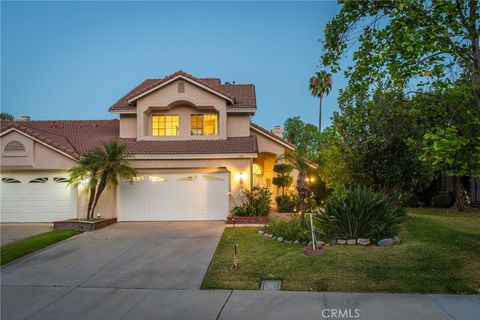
column 14, row 146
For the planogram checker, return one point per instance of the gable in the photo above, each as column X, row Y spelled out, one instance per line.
column 168, row 96
column 35, row 154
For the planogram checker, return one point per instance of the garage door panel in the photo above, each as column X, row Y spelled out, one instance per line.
column 44, row 200
column 188, row 196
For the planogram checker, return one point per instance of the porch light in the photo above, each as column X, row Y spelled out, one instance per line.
column 241, row 176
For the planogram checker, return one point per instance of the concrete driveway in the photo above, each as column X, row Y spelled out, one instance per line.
column 12, row 232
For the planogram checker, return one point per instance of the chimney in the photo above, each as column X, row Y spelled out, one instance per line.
column 278, row 131
column 24, row 118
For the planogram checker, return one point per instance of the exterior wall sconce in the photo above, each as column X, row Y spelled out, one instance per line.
column 241, row 176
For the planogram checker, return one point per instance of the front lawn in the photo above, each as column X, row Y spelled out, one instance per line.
column 439, row 253
column 21, row 248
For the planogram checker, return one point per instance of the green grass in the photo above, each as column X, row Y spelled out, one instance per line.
column 439, row 253
column 22, row 248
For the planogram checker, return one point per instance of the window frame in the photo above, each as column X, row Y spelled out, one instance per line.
column 202, row 122
column 165, row 125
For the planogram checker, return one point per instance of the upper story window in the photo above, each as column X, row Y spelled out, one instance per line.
column 203, row 124
column 165, row 125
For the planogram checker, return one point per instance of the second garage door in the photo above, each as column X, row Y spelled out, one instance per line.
column 161, row 197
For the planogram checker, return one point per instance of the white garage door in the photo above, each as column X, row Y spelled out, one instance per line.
column 36, row 197
column 190, row 196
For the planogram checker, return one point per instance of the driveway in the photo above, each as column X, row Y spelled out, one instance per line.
column 154, row 270
column 11, row 232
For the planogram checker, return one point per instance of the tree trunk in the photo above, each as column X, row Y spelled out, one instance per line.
column 460, row 198
column 320, row 115
column 101, row 187
column 302, row 190
column 90, row 201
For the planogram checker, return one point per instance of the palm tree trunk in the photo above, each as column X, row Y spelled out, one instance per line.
column 100, row 189
column 90, row 201
column 320, row 115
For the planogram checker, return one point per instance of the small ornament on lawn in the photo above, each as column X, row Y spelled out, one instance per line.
column 235, row 262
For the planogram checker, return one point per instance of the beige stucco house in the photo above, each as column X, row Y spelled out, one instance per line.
column 190, row 139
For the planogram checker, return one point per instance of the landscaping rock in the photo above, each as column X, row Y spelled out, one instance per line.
column 333, row 242
column 320, row 243
column 396, row 240
column 288, row 241
column 296, row 242
column 270, row 236
column 261, row 232
column 274, row 238
column 341, row 241
column 280, row 239
column 387, row 242
column 363, row 242
column 351, row 242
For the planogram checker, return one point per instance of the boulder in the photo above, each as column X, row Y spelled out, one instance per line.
column 280, row 239
column 333, row 242
column 341, row 241
column 261, row 232
column 396, row 239
column 363, row 242
column 320, row 243
column 387, row 242
column 296, row 242
column 351, row 242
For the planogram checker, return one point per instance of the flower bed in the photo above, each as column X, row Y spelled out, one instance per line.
column 247, row 220
column 84, row 225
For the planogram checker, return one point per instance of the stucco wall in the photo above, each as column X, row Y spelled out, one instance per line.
column 238, row 125
column 167, row 99
column 37, row 156
column 128, row 126
column 106, row 207
column 268, row 145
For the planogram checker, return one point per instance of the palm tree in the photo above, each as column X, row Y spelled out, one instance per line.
column 320, row 84
column 100, row 169
column 299, row 162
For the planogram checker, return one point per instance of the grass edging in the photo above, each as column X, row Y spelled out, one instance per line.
column 25, row 248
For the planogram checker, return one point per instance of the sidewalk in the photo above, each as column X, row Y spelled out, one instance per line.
column 111, row 303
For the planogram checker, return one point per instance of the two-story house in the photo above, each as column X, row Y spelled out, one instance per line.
column 190, row 139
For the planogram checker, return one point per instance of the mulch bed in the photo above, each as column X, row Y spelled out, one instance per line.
column 317, row 252
column 247, row 220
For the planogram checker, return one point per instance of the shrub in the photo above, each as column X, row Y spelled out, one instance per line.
column 409, row 200
column 442, row 200
column 286, row 202
column 282, row 168
column 289, row 229
column 257, row 203
column 360, row 213
column 282, row 181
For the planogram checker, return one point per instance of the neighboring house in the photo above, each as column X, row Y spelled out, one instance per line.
column 190, row 140
column 444, row 184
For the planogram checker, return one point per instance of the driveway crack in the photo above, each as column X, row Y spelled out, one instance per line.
column 224, row 304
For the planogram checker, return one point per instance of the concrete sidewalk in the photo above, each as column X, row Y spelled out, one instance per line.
column 114, row 303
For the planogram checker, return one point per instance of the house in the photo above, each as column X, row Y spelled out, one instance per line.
column 190, row 139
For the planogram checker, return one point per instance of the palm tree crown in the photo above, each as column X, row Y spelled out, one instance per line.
column 320, row 84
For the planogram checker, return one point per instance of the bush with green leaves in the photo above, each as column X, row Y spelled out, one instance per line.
column 288, row 229
column 360, row 213
column 442, row 200
column 256, row 203
column 286, row 202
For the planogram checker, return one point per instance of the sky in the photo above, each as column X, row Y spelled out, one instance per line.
column 73, row 60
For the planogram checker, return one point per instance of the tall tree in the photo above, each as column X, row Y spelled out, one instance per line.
column 99, row 169
column 6, row 116
column 305, row 136
column 403, row 40
column 320, row 84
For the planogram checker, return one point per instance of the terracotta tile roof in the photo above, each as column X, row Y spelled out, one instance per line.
column 272, row 135
column 243, row 95
column 76, row 137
